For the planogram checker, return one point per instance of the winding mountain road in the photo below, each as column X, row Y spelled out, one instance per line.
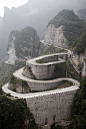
column 19, row 75
column 56, row 91
column 70, row 54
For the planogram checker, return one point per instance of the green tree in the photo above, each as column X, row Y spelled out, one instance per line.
column 78, row 107
column 14, row 113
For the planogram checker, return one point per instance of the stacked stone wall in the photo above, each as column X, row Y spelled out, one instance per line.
column 43, row 85
column 49, row 107
column 45, row 70
column 38, row 85
column 52, row 109
column 51, row 58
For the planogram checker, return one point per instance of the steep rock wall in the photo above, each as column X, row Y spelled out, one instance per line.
column 11, row 52
column 78, row 60
column 55, row 36
column 50, row 109
column 23, row 45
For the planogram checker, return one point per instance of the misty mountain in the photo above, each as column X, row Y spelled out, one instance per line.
column 35, row 13
column 82, row 14
column 0, row 20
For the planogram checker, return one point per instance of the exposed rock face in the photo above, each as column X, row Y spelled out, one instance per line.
column 80, row 58
column 11, row 52
column 23, row 45
column 19, row 88
column 55, row 36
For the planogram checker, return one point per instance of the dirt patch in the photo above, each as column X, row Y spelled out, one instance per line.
column 66, row 84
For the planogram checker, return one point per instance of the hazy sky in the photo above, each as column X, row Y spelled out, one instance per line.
column 9, row 4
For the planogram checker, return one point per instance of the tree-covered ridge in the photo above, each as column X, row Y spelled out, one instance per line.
column 63, row 17
column 73, row 27
column 14, row 114
column 80, row 44
column 27, row 38
column 79, row 108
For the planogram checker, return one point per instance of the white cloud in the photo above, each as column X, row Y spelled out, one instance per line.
column 10, row 3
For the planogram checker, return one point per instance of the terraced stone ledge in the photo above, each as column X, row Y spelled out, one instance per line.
column 75, row 87
column 45, row 70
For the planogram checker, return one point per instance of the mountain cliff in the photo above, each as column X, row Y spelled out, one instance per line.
column 82, row 14
column 34, row 13
column 73, row 29
column 23, row 45
column 55, row 36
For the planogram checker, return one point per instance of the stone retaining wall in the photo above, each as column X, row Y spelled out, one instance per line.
column 51, row 58
column 43, row 85
column 52, row 109
column 45, row 70
column 38, row 85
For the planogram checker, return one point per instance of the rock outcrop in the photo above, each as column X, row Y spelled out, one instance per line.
column 11, row 52
column 55, row 36
column 23, row 45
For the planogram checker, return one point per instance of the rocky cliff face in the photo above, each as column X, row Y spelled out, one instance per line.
column 55, row 36
column 23, row 45
column 82, row 14
column 11, row 52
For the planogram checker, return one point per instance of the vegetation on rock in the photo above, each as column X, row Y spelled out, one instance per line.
column 73, row 28
column 59, row 71
column 71, row 72
column 14, row 114
column 45, row 49
column 6, row 71
column 26, row 42
column 81, row 44
column 78, row 107
column 15, row 83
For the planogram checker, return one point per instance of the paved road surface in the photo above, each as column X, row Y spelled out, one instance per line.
column 31, row 95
